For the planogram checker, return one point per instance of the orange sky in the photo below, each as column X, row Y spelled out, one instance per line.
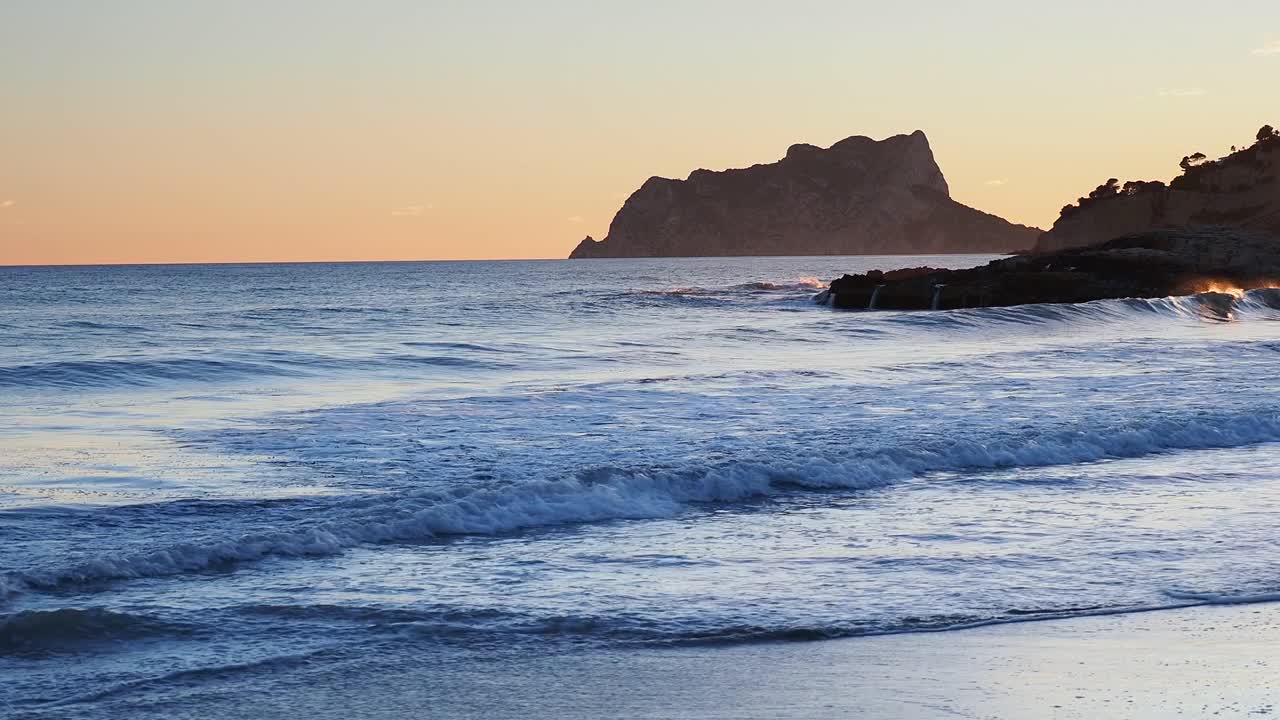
column 148, row 131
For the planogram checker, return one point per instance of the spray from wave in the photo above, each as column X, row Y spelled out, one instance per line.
column 1218, row 305
column 742, row 291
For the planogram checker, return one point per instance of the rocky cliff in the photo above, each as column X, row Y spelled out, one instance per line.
column 859, row 196
column 1152, row 264
column 1241, row 190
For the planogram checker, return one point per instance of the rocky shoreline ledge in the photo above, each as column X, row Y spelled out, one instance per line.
column 1216, row 227
column 1147, row 265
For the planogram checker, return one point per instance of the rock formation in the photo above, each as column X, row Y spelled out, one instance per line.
column 1151, row 264
column 859, row 196
column 1241, row 190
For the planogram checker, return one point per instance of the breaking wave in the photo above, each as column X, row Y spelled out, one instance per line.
column 469, row 624
column 124, row 373
column 612, row 493
column 1209, row 306
column 756, row 291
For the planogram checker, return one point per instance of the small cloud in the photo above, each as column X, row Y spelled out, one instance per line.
column 997, row 183
column 1271, row 48
column 7, row 203
column 1182, row 92
column 576, row 219
column 411, row 210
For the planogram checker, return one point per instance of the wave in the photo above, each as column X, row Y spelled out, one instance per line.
column 67, row 629
column 454, row 346
column 445, row 622
column 105, row 374
column 756, row 291
column 612, row 493
column 459, row 618
column 115, row 373
column 1219, row 598
column 187, row 676
column 439, row 361
column 808, row 283
column 502, row 630
column 759, row 286
column 751, row 634
column 1209, row 306
column 109, row 327
column 271, row 313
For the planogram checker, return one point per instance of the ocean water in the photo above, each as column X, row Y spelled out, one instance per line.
column 226, row 488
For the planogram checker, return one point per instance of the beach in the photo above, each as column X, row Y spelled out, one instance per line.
column 581, row 360
column 1200, row 662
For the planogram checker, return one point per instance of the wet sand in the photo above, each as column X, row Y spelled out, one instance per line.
column 1201, row 662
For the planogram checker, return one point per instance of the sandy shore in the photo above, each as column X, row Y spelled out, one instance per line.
column 1202, row 662
column 1205, row 662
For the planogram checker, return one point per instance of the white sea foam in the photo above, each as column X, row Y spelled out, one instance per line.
column 604, row 494
column 402, row 403
column 1210, row 306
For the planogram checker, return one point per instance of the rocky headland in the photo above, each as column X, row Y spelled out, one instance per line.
column 1240, row 190
column 1216, row 227
column 858, row 197
column 1158, row 263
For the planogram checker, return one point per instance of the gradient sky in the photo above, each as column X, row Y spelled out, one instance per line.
column 254, row 130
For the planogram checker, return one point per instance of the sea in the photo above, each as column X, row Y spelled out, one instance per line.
column 427, row 489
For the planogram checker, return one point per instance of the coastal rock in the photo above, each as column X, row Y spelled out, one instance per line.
column 860, row 196
column 1240, row 190
column 1151, row 264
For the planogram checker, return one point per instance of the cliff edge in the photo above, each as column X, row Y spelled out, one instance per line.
column 1153, row 264
column 1241, row 190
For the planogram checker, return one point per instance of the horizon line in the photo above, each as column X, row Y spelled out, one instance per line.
column 163, row 263
column 7, row 266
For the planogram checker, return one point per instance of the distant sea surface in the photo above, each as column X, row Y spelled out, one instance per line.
column 222, row 484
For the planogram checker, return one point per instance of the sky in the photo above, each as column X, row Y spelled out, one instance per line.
column 291, row 130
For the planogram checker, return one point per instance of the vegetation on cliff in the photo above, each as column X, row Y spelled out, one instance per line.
column 1241, row 190
column 1196, row 167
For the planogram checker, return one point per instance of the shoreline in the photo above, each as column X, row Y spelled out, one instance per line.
column 1146, row 265
column 1203, row 661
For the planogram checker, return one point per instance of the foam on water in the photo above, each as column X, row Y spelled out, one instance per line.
column 243, row 471
column 604, row 493
column 1209, row 306
column 101, row 373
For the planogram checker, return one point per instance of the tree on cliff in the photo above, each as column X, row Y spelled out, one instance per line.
column 1133, row 187
column 1266, row 132
column 1106, row 189
column 1191, row 161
